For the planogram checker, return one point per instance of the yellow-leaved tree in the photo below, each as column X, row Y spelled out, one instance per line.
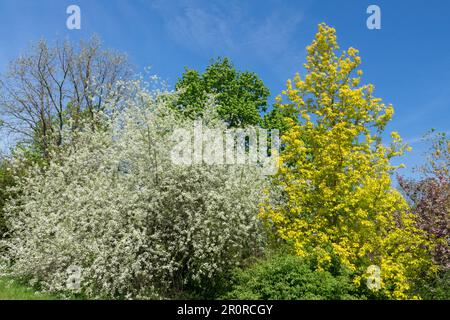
column 335, row 175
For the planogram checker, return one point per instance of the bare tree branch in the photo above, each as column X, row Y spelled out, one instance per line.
column 49, row 85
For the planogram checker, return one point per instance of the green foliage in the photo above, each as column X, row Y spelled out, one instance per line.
column 437, row 288
column 241, row 96
column 276, row 119
column 289, row 277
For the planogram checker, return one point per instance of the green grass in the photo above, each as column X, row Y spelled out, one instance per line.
column 13, row 290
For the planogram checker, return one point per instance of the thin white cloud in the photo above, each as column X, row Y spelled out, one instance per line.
column 206, row 27
column 437, row 102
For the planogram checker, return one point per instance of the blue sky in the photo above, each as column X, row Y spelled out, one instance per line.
column 408, row 60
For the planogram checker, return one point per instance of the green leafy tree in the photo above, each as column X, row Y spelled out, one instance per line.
column 276, row 119
column 241, row 96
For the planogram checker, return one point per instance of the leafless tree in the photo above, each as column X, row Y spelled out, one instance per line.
column 50, row 84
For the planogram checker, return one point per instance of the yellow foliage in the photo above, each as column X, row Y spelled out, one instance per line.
column 336, row 175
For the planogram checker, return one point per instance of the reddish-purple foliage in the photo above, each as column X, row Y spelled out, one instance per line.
column 430, row 200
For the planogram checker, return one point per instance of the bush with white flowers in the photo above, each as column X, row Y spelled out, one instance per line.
column 113, row 206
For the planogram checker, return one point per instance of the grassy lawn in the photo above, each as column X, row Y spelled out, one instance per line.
column 12, row 290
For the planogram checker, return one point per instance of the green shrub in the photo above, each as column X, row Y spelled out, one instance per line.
column 288, row 277
column 437, row 288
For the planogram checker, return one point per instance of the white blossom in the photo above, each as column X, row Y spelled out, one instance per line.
column 112, row 203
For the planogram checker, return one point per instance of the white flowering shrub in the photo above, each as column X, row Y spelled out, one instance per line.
column 112, row 206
